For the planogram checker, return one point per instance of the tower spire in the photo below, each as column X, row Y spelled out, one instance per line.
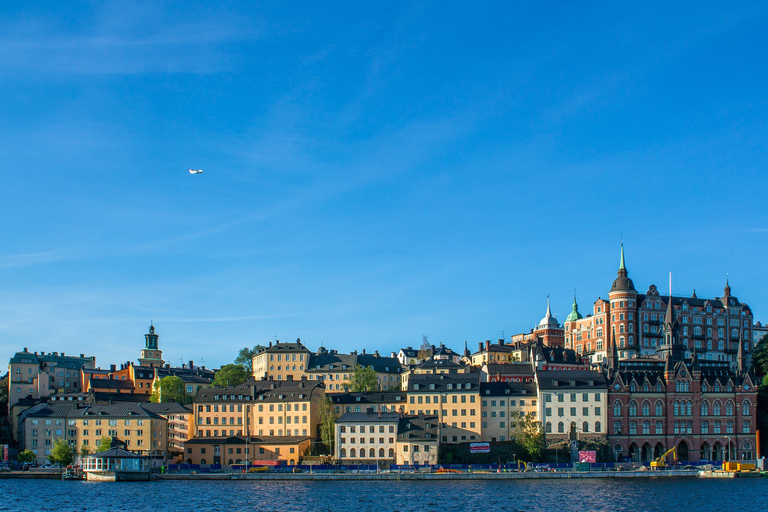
column 622, row 266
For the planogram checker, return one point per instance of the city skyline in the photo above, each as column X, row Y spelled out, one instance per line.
column 372, row 174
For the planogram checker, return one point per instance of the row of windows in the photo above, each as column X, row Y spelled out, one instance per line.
column 434, row 399
column 512, row 403
column 371, row 429
column 371, row 454
column 371, row 440
column 572, row 396
column 561, row 411
column 682, row 427
column 682, row 408
column 561, row 427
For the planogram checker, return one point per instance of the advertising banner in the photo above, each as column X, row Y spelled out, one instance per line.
column 479, row 447
column 588, row 456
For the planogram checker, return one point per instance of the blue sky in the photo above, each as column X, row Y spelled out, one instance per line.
column 373, row 172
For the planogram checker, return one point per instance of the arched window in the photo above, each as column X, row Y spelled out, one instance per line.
column 597, row 427
column 621, row 328
column 720, row 345
column 645, row 387
column 705, row 427
column 745, row 408
column 352, row 453
column 717, row 409
column 616, row 408
column 677, row 408
column 659, row 408
column 688, row 408
column 549, row 427
column 230, row 462
column 633, row 408
column 646, row 409
column 560, row 427
column 633, row 428
column 659, row 427
column 659, row 387
column 381, row 453
column 646, row 428
column 391, row 453
column 343, row 453
column 632, row 388
column 704, row 388
column 585, row 427
column 705, row 408
column 372, row 453
column 729, row 408
column 720, row 332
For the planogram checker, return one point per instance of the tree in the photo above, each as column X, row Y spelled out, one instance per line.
column 4, row 382
column 169, row 389
column 528, row 433
column 85, row 451
column 363, row 379
column 105, row 443
column 760, row 357
column 245, row 357
column 27, row 456
column 61, row 453
column 231, row 375
column 327, row 423
column 425, row 351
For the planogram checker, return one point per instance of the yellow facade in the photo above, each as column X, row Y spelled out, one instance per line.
column 454, row 399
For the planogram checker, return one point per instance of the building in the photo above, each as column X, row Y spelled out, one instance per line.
column 263, row 408
column 366, row 437
column 336, row 369
column 84, row 425
column 418, row 440
column 713, row 326
column 251, row 451
column 501, row 403
column 507, row 372
column 454, row 398
column 703, row 408
column 180, row 420
column 408, row 356
column 193, row 377
column 35, row 376
column 572, row 399
column 281, row 361
column 369, row 402
column 151, row 355
column 434, row 367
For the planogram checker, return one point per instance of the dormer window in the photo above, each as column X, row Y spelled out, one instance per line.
column 416, row 387
column 357, row 399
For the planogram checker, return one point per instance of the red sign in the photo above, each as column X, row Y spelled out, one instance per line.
column 588, row 456
column 479, row 447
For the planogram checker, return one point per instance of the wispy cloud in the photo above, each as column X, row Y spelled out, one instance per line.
column 27, row 260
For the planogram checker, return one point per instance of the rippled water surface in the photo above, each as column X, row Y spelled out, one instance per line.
column 583, row 495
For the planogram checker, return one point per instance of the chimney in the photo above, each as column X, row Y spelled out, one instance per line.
column 480, row 346
column 376, row 354
column 191, row 365
column 392, row 355
column 501, row 342
column 82, row 356
column 487, row 345
column 26, row 350
column 270, row 344
column 363, row 351
column 62, row 354
column 112, row 368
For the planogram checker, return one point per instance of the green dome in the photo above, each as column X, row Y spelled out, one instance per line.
column 574, row 315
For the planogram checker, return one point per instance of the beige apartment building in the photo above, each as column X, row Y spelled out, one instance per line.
column 281, row 361
column 501, row 402
column 454, row 399
column 366, row 437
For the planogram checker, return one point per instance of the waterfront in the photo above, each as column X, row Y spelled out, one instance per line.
column 529, row 495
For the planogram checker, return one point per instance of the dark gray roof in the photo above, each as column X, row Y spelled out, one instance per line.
column 283, row 347
column 515, row 368
column 371, row 397
column 167, row 408
column 431, row 383
column 262, row 391
column 571, row 380
column 439, row 363
column 115, row 453
column 418, row 428
column 75, row 409
column 366, row 417
column 507, row 388
column 188, row 375
column 410, row 352
column 109, row 384
column 325, row 361
column 74, row 362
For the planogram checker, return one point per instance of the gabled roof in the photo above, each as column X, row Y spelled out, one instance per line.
column 262, row 391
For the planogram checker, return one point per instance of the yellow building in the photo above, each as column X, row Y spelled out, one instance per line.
column 251, row 451
column 264, row 408
column 453, row 398
column 83, row 425
column 180, row 420
column 500, row 403
column 281, row 361
column 433, row 367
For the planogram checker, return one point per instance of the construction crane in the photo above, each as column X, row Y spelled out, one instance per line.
column 661, row 462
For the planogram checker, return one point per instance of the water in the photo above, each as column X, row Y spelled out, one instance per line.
column 614, row 495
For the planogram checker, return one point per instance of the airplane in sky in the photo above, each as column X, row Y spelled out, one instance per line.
column 195, row 171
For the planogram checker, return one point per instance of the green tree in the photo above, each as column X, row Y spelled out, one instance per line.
column 245, row 357
column 61, row 453
column 231, row 375
column 27, row 456
column 4, row 395
column 760, row 357
column 363, row 379
column 327, row 423
column 85, row 451
column 104, row 444
column 528, row 433
column 169, row 389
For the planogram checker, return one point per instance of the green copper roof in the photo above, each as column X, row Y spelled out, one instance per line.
column 621, row 263
column 574, row 314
